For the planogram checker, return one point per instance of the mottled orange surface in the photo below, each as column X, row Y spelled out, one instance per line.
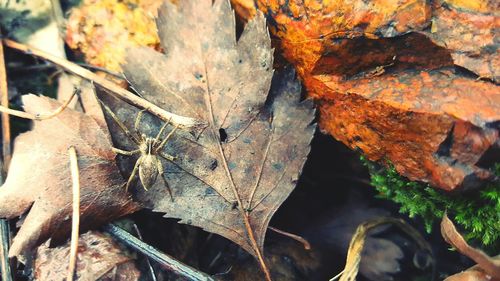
column 383, row 74
column 415, row 120
column 103, row 29
column 306, row 30
column 470, row 33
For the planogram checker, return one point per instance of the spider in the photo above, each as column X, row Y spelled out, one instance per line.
column 148, row 165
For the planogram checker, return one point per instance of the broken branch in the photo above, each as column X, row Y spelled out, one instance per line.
column 182, row 121
column 75, row 221
column 6, row 153
column 151, row 252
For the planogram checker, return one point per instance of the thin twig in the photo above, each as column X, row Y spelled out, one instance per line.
column 75, row 225
column 295, row 237
column 47, row 65
column 163, row 259
column 182, row 121
column 38, row 117
column 5, row 117
column 4, row 247
column 101, row 69
column 151, row 270
column 5, row 241
column 6, row 153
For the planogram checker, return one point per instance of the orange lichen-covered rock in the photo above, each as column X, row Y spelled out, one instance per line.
column 385, row 79
column 423, row 121
column 470, row 33
column 307, row 31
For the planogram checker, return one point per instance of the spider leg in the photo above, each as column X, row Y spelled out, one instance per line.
column 134, row 171
column 167, row 157
column 160, row 170
column 119, row 123
column 164, row 141
column 136, row 123
column 124, row 152
column 160, row 132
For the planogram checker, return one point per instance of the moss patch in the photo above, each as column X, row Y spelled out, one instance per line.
column 477, row 213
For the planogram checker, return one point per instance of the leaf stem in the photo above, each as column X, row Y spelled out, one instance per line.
column 295, row 237
column 241, row 208
column 244, row 214
column 182, row 121
column 75, row 221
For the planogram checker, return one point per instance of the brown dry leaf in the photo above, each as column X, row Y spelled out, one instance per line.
column 98, row 258
column 39, row 176
column 474, row 273
column 491, row 266
column 86, row 101
column 230, row 178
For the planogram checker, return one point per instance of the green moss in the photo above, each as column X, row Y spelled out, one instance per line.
column 477, row 213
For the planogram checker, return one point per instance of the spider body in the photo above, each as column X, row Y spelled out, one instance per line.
column 148, row 165
column 148, row 170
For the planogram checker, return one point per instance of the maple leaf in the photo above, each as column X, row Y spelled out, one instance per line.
column 230, row 178
column 39, row 176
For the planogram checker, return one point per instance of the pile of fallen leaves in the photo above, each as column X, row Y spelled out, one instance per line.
column 226, row 171
column 237, row 169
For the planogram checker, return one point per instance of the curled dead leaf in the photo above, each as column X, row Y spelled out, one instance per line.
column 357, row 243
column 381, row 257
column 491, row 266
column 474, row 273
